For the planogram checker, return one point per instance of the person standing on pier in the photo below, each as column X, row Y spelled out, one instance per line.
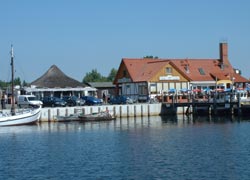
column 3, row 101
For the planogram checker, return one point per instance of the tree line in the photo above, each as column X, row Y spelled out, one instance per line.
column 95, row 76
column 17, row 81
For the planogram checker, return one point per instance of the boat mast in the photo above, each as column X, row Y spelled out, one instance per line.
column 12, row 81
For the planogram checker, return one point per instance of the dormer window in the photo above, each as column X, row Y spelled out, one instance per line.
column 186, row 68
column 202, row 72
column 168, row 70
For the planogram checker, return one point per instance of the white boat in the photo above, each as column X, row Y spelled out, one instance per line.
column 12, row 118
column 27, row 116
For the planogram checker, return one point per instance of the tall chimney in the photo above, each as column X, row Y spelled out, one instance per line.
column 224, row 55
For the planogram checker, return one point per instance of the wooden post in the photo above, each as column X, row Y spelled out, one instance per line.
column 134, row 111
column 239, row 105
column 66, row 112
column 120, row 111
column 49, row 115
column 114, row 109
column 215, row 103
column 148, row 110
column 141, row 110
column 209, row 109
column 127, row 111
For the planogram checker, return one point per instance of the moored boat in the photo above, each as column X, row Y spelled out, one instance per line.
column 14, row 117
column 100, row 116
column 27, row 116
column 71, row 117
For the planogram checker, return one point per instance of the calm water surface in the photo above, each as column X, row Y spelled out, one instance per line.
column 175, row 148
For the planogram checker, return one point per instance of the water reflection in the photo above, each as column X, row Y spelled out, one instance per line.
column 118, row 124
column 140, row 122
column 123, row 124
column 183, row 119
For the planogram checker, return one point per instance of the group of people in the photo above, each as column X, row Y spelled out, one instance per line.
column 4, row 101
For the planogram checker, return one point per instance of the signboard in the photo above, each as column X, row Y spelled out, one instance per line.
column 169, row 78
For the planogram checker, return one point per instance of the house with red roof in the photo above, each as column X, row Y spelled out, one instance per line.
column 144, row 77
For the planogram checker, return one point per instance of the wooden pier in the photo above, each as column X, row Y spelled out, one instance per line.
column 233, row 104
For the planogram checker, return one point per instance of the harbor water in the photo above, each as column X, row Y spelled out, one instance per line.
column 176, row 148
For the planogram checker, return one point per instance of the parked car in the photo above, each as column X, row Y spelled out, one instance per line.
column 28, row 101
column 90, row 100
column 73, row 101
column 120, row 100
column 53, row 102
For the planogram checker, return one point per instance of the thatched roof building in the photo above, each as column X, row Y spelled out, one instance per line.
column 55, row 78
column 55, row 83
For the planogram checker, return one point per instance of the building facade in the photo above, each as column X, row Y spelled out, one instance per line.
column 145, row 78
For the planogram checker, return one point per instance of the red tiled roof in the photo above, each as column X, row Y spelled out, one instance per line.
column 208, row 66
column 145, row 69
column 239, row 78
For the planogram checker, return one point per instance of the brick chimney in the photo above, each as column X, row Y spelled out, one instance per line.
column 224, row 62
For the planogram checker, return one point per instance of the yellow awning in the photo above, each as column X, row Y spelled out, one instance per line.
column 224, row 82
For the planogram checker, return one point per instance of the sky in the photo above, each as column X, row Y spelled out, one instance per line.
column 81, row 35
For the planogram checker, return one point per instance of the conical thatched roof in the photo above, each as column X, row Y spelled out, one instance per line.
column 54, row 77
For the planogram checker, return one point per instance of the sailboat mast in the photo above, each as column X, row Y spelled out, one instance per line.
column 12, row 81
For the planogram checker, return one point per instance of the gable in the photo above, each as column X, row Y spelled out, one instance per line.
column 142, row 70
column 168, row 73
column 122, row 74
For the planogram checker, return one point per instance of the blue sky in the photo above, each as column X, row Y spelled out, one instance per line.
column 81, row 35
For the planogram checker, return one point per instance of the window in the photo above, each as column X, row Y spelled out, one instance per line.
column 201, row 71
column 124, row 73
column 168, row 70
column 186, row 68
column 153, row 87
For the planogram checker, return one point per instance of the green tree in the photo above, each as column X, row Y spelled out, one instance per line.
column 4, row 84
column 17, row 81
column 25, row 83
column 112, row 74
column 93, row 76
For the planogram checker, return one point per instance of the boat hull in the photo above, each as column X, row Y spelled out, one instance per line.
column 103, row 116
column 72, row 117
column 21, row 118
